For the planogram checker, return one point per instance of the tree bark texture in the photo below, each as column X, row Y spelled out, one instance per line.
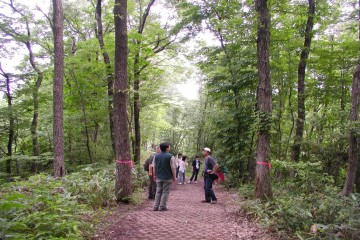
column 300, row 121
column 137, row 147
column 353, row 138
column 262, row 180
column 11, row 121
column 58, row 121
column 120, row 115
column 137, row 72
column 110, row 75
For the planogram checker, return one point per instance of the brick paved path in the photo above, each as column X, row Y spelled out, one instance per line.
column 187, row 219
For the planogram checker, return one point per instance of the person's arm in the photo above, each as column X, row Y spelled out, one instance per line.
column 173, row 167
column 215, row 168
column 154, row 169
column 150, row 170
column 151, row 166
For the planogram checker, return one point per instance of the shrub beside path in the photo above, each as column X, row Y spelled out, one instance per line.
column 187, row 219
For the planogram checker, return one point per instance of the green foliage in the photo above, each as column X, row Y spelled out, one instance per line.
column 306, row 200
column 46, row 208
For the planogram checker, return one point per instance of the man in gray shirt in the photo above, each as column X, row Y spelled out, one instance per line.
column 210, row 168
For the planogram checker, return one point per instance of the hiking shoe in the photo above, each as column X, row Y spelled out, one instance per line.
column 196, row 182
column 156, row 209
column 163, row 209
column 214, row 201
column 189, row 182
column 150, row 197
column 205, row 201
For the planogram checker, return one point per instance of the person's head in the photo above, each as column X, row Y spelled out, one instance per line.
column 184, row 158
column 206, row 151
column 165, row 147
column 180, row 155
column 197, row 157
column 158, row 150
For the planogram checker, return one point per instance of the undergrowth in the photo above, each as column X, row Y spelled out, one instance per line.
column 305, row 206
column 46, row 208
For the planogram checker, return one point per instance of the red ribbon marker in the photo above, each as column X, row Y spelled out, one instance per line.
column 264, row 163
column 125, row 162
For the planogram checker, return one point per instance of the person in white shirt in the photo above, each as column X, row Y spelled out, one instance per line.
column 182, row 169
column 178, row 161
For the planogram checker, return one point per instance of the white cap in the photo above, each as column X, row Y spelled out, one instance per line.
column 207, row 149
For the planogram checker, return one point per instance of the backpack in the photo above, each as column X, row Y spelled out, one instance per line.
column 147, row 164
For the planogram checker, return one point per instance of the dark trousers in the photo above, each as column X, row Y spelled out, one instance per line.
column 177, row 172
column 152, row 187
column 194, row 174
column 209, row 193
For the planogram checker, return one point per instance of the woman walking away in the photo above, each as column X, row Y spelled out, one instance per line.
column 195, row 169
column 182, row 168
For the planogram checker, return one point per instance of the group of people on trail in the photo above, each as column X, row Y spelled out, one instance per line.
column 164, row 169
column 181, row 165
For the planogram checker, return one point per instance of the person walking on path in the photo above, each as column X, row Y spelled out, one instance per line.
column 195, row 169
column 164, row 168
column 152, row 183
column 210, row 168
column 182, row 170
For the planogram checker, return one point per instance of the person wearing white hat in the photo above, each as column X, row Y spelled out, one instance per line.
column 210, row 169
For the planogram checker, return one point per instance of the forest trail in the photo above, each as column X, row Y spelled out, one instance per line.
column 187, row 219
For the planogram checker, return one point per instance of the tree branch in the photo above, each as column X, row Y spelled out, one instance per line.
column 144, row 17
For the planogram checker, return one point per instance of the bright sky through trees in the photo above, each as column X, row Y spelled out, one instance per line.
column 188, row 88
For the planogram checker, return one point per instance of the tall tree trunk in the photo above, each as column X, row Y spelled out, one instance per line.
column 34, row 122
column 353, row 139
column 262, row 180
column 58, row 124
column 110, row 75
column 137, row 145
column 287, row 144
column 120, row 115
column 137, row 71
column 200, row 133
column 11, row 121
column 84, row 113
column 300, row 121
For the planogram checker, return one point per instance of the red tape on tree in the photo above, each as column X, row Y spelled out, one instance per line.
column 125, row 162
column 264, row 163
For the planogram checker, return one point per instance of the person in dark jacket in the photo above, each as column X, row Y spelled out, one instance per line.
column 195, row 169
column 210, row 170
column 152, row 183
